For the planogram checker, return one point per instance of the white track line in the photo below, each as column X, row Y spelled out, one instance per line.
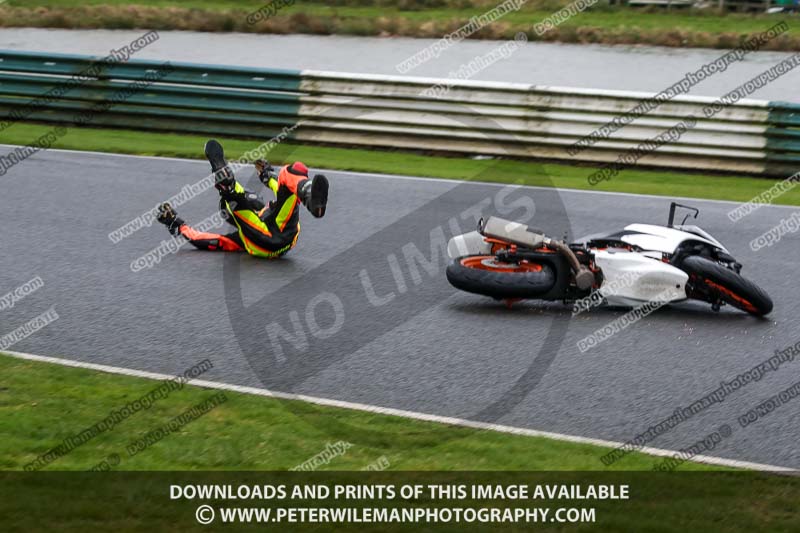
column 707, row 459
column 439, row 180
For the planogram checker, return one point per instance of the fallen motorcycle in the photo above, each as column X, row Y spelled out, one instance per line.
column 642, row 263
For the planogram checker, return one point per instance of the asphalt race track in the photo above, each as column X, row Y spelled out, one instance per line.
column 360, row 309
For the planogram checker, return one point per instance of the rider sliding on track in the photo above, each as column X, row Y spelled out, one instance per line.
column 262, row 230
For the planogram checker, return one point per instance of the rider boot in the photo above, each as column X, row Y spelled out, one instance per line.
column 314, row 194
column 224, row 179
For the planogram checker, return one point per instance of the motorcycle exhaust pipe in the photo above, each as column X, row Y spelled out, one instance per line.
column 523, row 235
column 584, row 278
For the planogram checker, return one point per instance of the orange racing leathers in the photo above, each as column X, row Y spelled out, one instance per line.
column 262, row 230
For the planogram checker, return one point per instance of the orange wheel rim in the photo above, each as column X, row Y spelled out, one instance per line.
column 490, row 262
column 743, row 302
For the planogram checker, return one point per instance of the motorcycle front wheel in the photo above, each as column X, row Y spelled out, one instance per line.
column 716, row 281
column 486, row 275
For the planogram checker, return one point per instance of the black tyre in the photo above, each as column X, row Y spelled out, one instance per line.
column 714, row 280
column 484, row 274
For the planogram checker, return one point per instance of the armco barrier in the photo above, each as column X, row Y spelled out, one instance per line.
column 474, row 117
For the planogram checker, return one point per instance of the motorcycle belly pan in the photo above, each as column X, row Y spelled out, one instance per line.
column 631, row 279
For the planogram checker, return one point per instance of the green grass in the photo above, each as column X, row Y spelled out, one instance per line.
column 41, row 404
column 671, row 184
column 246, row 435
column 533, row 11
column 420, row 18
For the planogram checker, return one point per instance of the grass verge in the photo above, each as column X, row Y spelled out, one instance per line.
column 42, row 404
column 410, row 18
column 671, row 184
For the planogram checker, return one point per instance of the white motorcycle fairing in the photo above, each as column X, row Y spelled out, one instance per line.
column 631, row 278
column 662, row 239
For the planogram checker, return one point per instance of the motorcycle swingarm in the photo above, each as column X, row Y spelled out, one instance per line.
column 561, row 289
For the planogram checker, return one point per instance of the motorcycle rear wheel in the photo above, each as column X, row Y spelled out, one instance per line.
column 485, row 275
column 729, row 286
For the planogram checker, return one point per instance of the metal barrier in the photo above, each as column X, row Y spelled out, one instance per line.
column 472, row 117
